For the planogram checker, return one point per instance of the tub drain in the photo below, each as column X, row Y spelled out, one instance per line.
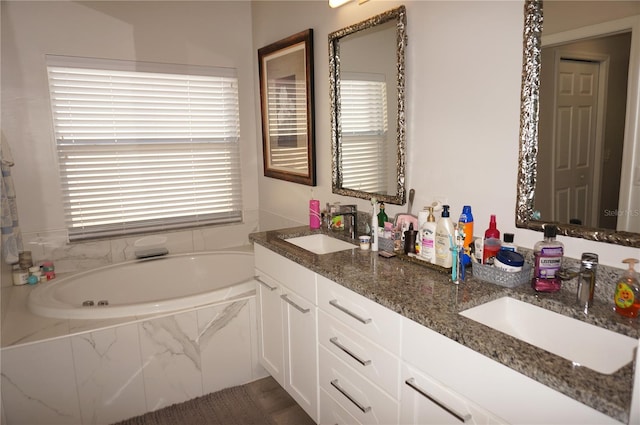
column 87, row 303
column 103, row 302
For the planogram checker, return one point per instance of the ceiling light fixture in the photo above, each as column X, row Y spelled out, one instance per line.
column 338, row 3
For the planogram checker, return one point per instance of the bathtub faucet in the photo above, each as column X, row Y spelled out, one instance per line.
column 150, row 252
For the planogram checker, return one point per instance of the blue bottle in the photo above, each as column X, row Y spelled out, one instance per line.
column 465, row 224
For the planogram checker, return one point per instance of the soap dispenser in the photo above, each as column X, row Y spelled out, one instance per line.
column 444, row 239
column 627, row 295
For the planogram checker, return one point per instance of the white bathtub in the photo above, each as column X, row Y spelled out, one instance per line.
column 143, row 287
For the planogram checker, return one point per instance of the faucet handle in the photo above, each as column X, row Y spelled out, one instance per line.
column 589, row 260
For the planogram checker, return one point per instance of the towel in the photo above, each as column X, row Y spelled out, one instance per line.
column 11, row 235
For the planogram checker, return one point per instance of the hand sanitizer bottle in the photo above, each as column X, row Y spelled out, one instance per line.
column 627, row 295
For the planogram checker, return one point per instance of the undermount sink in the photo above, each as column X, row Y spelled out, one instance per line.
column 581, row 343
column 320, row 243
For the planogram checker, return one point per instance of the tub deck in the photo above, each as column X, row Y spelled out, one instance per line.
column 21, row 326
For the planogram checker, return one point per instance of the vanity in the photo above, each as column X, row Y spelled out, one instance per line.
column 358, row 338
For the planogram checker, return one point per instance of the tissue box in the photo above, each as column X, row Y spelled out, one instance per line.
column 492, row 274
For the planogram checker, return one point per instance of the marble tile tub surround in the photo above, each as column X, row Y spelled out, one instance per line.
column 429, row 298
column 111, row 374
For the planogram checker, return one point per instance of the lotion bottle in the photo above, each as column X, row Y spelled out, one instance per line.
column 428, row 237
column 444, row 239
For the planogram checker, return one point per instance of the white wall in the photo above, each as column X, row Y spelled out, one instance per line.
column 214, row 33
column 463, row 94
column 464, row 62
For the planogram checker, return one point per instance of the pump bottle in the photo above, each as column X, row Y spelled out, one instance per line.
column 627, row 295
column 444, row 239
column 427, row 238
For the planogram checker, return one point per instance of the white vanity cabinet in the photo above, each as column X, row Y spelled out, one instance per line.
column 347, row 359
column 359, row 358
column 287, row 326
column 471, row 384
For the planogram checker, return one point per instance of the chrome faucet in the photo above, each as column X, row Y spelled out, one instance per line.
column 349, row 215
column 586, row 279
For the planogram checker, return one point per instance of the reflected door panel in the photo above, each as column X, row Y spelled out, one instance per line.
column 574, row 142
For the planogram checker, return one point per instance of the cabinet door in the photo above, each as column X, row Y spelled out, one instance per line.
column 426, row 401
column 301, row 351
column 270, row 326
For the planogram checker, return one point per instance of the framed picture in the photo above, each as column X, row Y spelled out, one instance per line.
column 286, row 100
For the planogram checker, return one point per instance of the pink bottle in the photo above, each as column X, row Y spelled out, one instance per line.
column 314, row 214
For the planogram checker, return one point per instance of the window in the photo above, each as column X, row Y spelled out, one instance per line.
column 363, row 111
column 145, row 147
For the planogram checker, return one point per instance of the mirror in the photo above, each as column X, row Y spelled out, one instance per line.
column 367, row 84
column 533, row 189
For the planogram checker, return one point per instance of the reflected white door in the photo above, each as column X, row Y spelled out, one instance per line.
column 575, row 186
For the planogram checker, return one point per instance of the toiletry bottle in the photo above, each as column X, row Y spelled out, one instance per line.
column 507, row 242
column 374, row 225
column 427, row 238
column 492, row 231
column 465, row 225
column 547, row 261
column 627, row 295
column 491, row 243
column 382, row 216
column 444, row 239
column 410, row 240
column 314, row 214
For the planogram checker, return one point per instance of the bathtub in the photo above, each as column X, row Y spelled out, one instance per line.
column 142, row 287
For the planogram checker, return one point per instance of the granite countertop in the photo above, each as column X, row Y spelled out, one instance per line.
column 428, row 296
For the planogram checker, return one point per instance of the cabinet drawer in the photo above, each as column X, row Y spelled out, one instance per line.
column 469, row 374
column 365, row 357
column 357, row 395
column 366, row 317
column 285, row 271
column 331, row 413
column 427, row 401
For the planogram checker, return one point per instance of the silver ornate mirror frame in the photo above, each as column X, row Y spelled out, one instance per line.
column 398, row 14
column 527, row 161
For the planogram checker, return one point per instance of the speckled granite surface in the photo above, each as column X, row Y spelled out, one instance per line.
column 428, row 297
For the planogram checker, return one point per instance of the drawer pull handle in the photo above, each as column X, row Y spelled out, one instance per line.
column 350, row 313
column 271, row 288
column 296, row 306
column 337, row 386
column 335, row 342
column 462, row 418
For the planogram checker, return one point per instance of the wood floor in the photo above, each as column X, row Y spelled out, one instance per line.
column 277, row 402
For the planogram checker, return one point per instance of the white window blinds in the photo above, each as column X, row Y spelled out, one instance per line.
column 363, row 113
column 145, row 147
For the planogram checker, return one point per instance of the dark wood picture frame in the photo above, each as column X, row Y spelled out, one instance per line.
column 287, row 106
